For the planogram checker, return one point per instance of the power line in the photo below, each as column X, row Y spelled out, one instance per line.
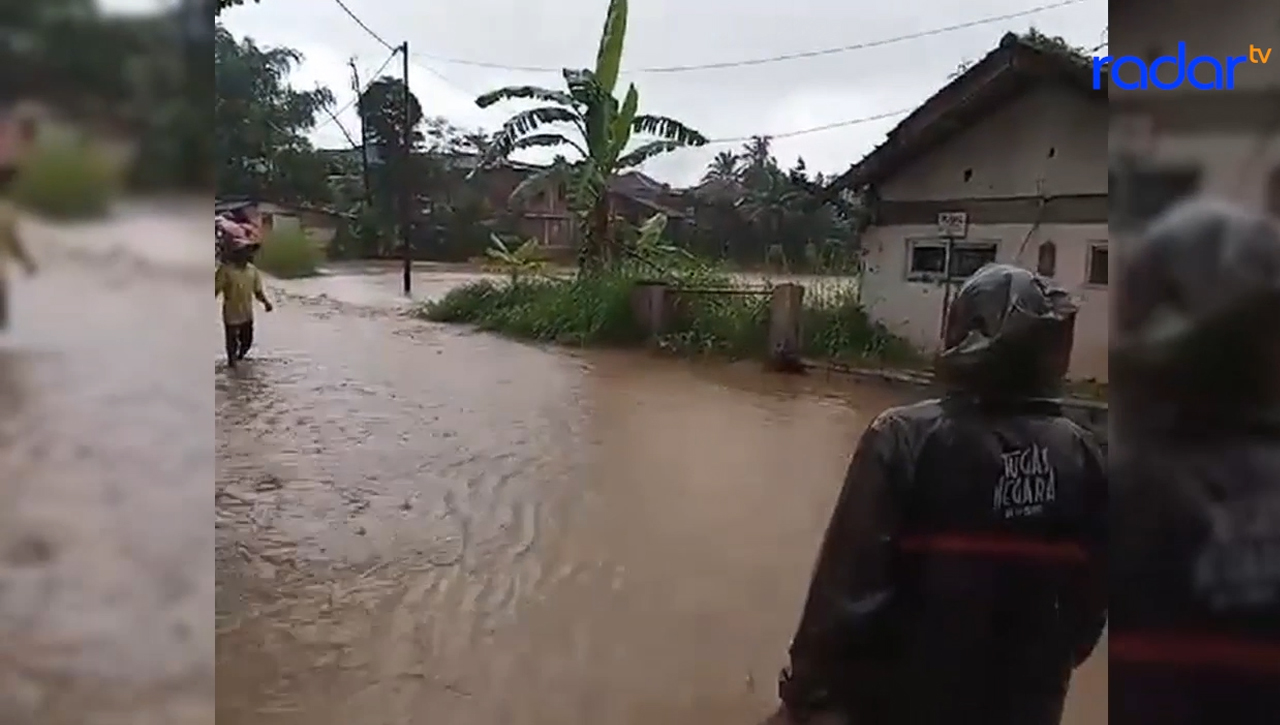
column 777, row 58
column 444, row 79
column 372, row 77
column 803, row 131
column 394, row 49
column 812, row 129
column 333, row 117
column 364, row 27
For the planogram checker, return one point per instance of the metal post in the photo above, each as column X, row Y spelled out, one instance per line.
column 946, row 287
column 364, row 136
column 405, row 195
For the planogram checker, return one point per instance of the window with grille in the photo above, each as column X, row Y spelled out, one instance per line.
column 928, row 258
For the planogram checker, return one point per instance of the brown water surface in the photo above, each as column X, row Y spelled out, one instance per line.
column 421, row 524
column 106, row 463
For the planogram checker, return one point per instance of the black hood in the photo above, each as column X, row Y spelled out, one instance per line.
column 1008, row 335
column 1197, row 315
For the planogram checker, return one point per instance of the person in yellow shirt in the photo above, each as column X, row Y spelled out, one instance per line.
column 239, row 283
column 11, row 247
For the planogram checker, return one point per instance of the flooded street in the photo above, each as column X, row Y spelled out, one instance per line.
column 420, row 524
column 414, row 523
column 106, row 416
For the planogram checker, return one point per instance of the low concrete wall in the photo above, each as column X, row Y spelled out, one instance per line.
column 654, row 303
column 1093, row 415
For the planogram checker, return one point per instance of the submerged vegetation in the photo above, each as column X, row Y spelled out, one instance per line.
column 67, row 179
column 289, row 254
column 595, row 309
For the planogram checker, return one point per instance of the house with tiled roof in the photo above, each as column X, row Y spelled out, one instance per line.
column 1006, row 163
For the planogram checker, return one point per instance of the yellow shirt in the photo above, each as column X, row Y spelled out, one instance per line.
column 238, row 287
column 10, row 244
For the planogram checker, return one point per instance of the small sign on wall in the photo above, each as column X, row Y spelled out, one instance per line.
column 953, row 224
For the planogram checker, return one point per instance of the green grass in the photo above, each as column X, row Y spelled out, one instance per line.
column 289, row 254
column 836, row 327
column 67, row 180
column 596, row 310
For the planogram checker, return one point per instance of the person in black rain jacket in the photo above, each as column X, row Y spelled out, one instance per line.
column 1195, row 366
column 962, row 578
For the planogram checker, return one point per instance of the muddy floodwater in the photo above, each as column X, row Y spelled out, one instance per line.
column 410, row 524
column 418, row 524
column 106, row 464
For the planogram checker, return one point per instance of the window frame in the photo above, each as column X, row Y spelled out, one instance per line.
column 935, row 242
column 1051, row 248
column 1089, row 263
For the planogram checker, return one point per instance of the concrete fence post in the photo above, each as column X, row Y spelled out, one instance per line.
column 786, row 308
column 650, row 306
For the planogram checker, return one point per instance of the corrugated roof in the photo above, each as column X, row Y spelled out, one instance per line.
column 1015, row 66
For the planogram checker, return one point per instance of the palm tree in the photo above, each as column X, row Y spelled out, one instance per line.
column 595, row 126
column 723, row 168
column 224, row 4
column 758, row 152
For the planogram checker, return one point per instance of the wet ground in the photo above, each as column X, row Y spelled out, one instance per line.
column 106, row 412
column 420, row 524
column 414, row 524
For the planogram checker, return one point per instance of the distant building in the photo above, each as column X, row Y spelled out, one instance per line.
column 1015, row 149
column 545, row 215
column 321, row 225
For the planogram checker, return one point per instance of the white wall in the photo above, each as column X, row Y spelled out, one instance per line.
column 914, row 309
column 1050, row 141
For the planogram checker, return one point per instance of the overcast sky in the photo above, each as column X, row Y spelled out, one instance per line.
column 775, row 99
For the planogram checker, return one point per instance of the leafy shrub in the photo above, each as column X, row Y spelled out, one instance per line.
column 514, row 260
column 595, row 309
column 288, row 254
column 67, row 179
column 835, row 326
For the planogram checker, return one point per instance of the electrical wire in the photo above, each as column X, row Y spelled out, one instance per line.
column 803, row 131
column 364, row 27
column 813, row 129
column 394, row 49
column 444, row 79
column 372, row 78
column 775, row 58
column 333, row 117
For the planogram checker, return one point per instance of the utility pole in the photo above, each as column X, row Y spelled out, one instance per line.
column 951, row 226
column 405, row 195
column 364, row 137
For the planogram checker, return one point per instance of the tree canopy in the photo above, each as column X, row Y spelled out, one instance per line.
column 261, row 123
column 749, row 208
column 224, row 4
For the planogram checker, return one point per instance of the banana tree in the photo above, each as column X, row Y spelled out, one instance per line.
column 586, row 119
column 524, row 259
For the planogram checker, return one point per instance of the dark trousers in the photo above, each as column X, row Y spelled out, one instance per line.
column 239, row 340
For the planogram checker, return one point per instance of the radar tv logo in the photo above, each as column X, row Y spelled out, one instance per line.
column 1203, row 72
